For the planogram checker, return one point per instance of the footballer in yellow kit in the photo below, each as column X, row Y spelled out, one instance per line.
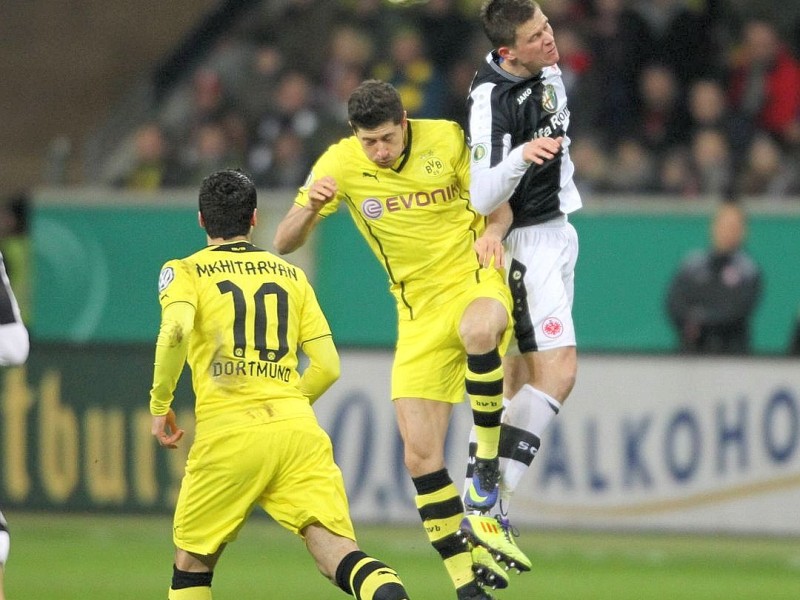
column 418, row 221
column 406, row 185
column 239, row 315
column 252, row 310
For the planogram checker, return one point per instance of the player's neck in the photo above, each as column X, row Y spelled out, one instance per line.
column 220, row 241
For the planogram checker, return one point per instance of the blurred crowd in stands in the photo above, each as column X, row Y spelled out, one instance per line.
column 684, row 98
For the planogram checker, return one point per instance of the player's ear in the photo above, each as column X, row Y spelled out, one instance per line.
column 201, row 221
column 505, row 53
column 254, row 218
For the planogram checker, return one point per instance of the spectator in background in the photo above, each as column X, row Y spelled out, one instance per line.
column 446, row 31
column 707, row 105
column 301, row 29
column 409, row 69
column 618, row 40
column 286, row 163
column 373, row 18
column 191, row 106
column 680, row 29
column 675, row 175
column 334, row 123
column 350, row 49
column 293, row 111
column 711, row 162
column 764, row 82
column 766, row 171
column 632, row 167
column 263, row 73
column 714, row 294
column 153, row 166
column 592, row 165
column 660, row 119
column 209, row 150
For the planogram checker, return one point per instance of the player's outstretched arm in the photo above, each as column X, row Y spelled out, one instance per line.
column 301, row 219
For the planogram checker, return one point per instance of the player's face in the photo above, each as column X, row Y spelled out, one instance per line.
column 384, row 144
column 534, row 47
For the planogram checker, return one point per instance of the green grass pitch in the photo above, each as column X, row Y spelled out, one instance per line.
column 80, row 557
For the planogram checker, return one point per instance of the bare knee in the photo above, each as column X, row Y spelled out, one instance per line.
column 482, row 325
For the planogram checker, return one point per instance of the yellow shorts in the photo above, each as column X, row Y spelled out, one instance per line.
column 286, row 467
column 430, row 361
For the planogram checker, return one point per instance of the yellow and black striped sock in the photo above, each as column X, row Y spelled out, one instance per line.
column 485, row 390
column 441, row 511
column 366, row 578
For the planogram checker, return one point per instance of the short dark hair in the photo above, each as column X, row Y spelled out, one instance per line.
column 373, row 103
column 501, row 18
column 227, row 201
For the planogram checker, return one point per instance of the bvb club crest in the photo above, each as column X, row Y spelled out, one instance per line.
column 549, row 99
column 434, row 166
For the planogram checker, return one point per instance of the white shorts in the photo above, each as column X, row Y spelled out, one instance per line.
column 540, row 261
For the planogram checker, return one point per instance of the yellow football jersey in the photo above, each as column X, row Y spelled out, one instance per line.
column 416, row 215
column 253, row 310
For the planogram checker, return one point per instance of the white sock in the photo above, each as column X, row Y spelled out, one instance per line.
column 531, row 410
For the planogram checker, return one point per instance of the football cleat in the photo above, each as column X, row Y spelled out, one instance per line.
column 485, row 485
column 497, row 536
column 488, row 572
column 472, row 591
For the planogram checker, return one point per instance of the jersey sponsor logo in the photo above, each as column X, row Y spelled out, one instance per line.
column 556, row 123
column 368, row 174
column 549, row 99
column 479, row 152
column 552, row 327
column 372, row 208
column 524, row 96
column 166, row 277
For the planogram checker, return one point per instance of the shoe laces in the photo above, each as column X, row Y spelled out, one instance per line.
column 507, row 527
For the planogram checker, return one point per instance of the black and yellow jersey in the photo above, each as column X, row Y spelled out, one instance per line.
column 252, row 311
column 416, row 215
